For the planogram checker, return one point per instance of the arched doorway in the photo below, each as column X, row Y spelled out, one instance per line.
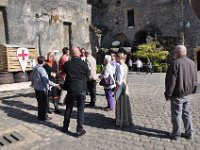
column 197, row 57
column 123, row 39
column 140, row 37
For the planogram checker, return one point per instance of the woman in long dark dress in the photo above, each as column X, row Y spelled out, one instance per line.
column 123, row 107
column 51, row 69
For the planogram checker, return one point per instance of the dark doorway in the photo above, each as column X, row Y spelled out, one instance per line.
column 140, row 37
column 67, row 34
column 198, row 60
column 3, row 26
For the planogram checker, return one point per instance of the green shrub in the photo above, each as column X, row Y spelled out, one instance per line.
column 99, row 68
column 164, row 67
column 149, row 50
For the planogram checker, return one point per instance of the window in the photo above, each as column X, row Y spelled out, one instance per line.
column 130, row 17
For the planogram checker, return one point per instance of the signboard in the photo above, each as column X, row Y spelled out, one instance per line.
column 22, row 55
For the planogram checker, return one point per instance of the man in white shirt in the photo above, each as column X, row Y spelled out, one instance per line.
column 139, row 65
column 91, row 83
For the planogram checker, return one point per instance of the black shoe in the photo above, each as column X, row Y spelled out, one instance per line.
column 80, row 133
column 188, row 137
column 48, row 118
column 57, row 111
column 45, row 119
column 91, row 105
column 49, row 111
column 173, row 137
column 107, row 109
column 61, row 104
column 64, row 129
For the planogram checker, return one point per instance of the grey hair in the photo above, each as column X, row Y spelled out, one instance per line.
column 107, row 58
column 181, row 49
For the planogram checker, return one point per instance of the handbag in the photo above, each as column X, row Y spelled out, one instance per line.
column 106, row 81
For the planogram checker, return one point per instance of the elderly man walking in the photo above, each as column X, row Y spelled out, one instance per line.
column 179, row 83
column 77, row 73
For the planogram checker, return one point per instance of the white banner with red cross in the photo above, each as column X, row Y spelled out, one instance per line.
column 22, row 55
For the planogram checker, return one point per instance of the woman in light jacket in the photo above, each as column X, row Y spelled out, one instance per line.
column 108, row 71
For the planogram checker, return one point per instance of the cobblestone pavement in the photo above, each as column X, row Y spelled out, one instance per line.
column 151, row 115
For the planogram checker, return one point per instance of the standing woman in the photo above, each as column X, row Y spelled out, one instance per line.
column 108, row 71
column 51, row 69
column 123, row 108
column 40, row 83
column 83, row 54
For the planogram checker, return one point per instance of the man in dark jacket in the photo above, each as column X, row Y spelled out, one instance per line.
column 77, row 73
column 179, row 83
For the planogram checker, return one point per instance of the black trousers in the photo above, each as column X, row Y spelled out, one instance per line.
column 149, row 70
column 71, row 99
column 41, row 97
column 91, row 85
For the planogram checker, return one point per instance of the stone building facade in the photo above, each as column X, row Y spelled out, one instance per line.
column 46, row 24
column 130, row 21
column 52, row 24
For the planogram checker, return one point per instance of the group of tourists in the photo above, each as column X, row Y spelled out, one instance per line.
column 78, row 76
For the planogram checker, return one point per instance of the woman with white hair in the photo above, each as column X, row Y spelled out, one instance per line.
column 106, row 73
column 123, row 107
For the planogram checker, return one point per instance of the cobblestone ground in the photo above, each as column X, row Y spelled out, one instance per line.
column 151, row 115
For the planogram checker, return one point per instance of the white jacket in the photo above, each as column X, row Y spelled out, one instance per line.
column 108, row 70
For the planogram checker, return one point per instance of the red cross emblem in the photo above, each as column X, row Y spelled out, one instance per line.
column 23, row 55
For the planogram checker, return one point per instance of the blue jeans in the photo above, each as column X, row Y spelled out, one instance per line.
column 180, row 112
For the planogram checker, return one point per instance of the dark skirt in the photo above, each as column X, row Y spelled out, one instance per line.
column 54, row 92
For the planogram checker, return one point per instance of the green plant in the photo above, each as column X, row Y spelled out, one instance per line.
column 150, row 50
column 99, row 68
column 164, row 67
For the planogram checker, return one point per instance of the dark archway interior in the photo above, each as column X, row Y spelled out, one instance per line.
column 198, row 60
column 140, row 37
column 196, row 7
column 123, row 39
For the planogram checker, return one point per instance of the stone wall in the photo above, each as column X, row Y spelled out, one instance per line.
column 3, row 3
column 45, row 23
column 42, row 23
column 165, row 17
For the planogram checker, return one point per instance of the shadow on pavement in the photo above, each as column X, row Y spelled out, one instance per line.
column 91, row 119
column 101, row 121
column 18, row 104
column 24, row 116
column 30, row 95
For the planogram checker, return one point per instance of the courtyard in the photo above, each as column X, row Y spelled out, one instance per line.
column 151, row 116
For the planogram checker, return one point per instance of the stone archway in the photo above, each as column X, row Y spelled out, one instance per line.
column 124, row 42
